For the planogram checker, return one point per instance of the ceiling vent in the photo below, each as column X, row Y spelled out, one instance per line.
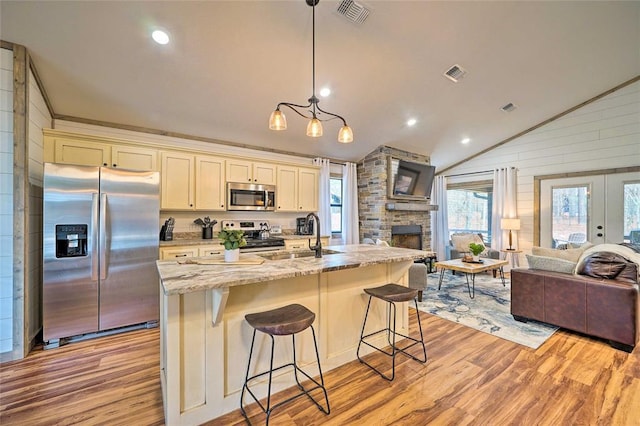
column 509, row 107
column 355, row 12
column 455, row 73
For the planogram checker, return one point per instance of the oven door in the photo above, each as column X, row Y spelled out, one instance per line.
column 247, row 196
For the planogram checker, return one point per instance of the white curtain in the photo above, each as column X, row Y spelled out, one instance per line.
column 504, row 204
column 350, row 227
column 440, row 218
column 324, row 194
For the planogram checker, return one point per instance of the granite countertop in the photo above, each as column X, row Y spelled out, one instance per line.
column 215, row 241
column 186, row 278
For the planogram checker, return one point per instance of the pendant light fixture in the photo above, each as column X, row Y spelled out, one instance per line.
column 278, row 121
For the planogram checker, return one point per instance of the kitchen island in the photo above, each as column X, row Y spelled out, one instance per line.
column 205, row 340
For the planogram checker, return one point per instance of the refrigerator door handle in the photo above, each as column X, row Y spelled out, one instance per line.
column 103, row 236
column 94, row 237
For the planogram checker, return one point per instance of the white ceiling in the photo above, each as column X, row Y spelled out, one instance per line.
column 231, row 62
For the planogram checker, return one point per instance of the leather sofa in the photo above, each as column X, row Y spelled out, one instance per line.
column 601, row 300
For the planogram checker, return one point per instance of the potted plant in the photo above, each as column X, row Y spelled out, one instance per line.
column 476, row 249
column 232, row 240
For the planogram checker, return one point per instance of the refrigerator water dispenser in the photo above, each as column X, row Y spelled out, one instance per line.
column 71, row 240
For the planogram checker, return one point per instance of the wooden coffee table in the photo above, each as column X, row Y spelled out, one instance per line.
column 470, row 268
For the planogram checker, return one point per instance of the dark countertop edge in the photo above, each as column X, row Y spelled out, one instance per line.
column 214, row 241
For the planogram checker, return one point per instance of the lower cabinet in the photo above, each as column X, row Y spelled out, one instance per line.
column 177, row 252
column 299, row 244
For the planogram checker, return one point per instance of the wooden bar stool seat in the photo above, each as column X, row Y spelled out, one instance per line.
column 392, row 294
column 284, row 321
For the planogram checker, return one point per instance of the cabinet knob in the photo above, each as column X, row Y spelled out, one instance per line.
column 181, row 255
column 599, row 234
column 190, row 205
column 104, row 164
column 114, row 165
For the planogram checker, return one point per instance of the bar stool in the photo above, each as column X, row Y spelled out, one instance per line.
column 392, row 294
column 287, row 320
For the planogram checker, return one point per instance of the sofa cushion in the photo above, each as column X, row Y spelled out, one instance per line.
column 569, row 254
column 552, row 264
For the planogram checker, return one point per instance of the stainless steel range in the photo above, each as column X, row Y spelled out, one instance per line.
column 257, row 233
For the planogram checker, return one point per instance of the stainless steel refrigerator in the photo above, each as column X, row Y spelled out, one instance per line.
column 100, row 244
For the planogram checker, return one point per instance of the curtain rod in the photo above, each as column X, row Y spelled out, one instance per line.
column 470, row 173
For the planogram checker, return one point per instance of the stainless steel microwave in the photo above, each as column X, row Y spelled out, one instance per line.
column 249, row 196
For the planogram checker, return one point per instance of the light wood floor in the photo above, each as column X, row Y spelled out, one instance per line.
column 470, row 378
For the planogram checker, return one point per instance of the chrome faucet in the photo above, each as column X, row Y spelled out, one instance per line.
column 318, row 247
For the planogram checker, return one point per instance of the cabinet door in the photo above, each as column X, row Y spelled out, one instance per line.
column 239, row 171
column 178, row 252
column 177, row 181
column 287, row 193
column 210, row 250
column 264, row 173
column 307, row 189
column 210, row 191
column 83, row 153
column 134, row 158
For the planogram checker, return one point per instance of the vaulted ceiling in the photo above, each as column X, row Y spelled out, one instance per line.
column 230, row 62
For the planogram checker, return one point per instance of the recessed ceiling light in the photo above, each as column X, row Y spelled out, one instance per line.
column 465, row 141
column 325, row 91
column 411, row 122
column 160, row 37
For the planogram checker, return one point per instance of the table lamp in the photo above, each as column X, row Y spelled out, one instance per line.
column 512, row 224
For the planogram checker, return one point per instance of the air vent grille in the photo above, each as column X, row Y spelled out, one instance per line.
column 509, row 107
column 353, row 11
column 455, row 73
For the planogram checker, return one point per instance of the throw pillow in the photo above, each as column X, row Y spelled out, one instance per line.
column 603, row 265
column 461, row 241
column 572, row 255
column 552, row 264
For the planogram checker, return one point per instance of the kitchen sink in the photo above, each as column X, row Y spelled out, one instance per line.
column 295, row 254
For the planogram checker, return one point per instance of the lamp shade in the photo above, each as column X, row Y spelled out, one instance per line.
column 314, row 128
column 345, row 135
column 277, row 121
column 512, row 224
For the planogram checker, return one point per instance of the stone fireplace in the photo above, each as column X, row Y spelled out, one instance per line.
column 376, row 218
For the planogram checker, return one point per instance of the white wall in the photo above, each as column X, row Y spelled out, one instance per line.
column 39, row 118
column 6, row 200
column 602, row 135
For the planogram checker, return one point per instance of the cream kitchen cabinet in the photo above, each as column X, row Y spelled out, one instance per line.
column 134, row 158
column 303, row 243
column 178, row 252
column 210, row 250
column 210, row 183
column 80, row 152
column 297, row 189
column 91, row 153
column 177, row 181
column 250, row 171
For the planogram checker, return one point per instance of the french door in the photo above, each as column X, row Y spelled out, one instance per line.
column 598, row 208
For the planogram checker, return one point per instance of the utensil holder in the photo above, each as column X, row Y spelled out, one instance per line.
column 207, row 233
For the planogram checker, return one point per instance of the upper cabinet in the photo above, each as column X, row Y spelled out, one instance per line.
column 84, row 151
column 297, row 189
column 250, row 171
column 190, row 180
column 177, row 181
column 134, row 158
column 210, row 183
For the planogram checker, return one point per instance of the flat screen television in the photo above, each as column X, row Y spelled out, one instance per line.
column 409, row 180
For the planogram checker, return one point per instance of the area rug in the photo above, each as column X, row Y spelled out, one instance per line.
column 488, row 312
